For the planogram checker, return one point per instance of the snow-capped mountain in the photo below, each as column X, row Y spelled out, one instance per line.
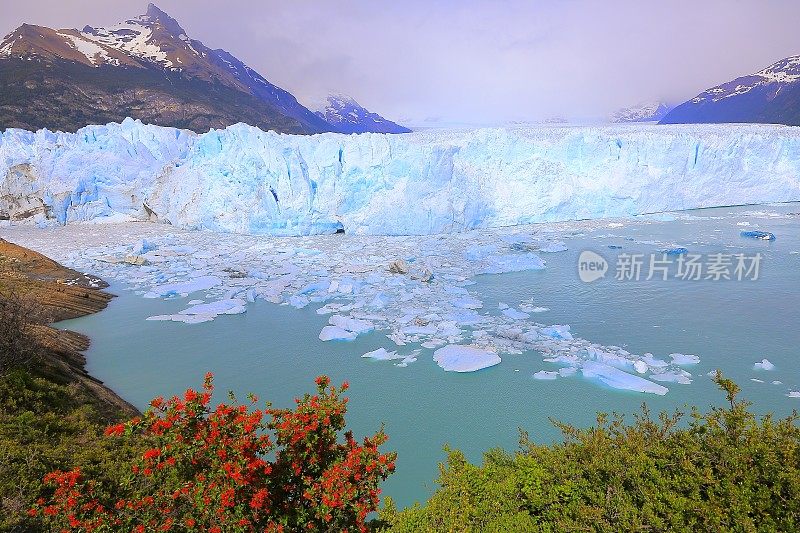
column 771, row 95
column 348, row 116
column 643, row 112
column 147, row 68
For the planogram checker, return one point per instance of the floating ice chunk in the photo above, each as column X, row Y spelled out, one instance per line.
column 351, row 324
column 298, row 301
column 794, row 394
column 764, row 364
column 567, row 371
column 502, row 306
column 514, row 314
column 183, row 288
column 640, row 367
column 776, row 382
column 500, row 264
column 756, row 380
column 381, row 354
column 677, row 376
column 195, row 302
column 458, row 358
column 533, row 308
column 545, row 375
column 142, row 247
column 653, row 362
column 221, row 307
column 557, row 332
column 761, row 235
column 681, row 359
column 334, row 333
column 617, row 379
column 467, row 303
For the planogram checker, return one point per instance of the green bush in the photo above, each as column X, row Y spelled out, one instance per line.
column 45, row 426
column 725, row 470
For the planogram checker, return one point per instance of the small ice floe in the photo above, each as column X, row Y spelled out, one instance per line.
column 533, row 308
column 764, row 364
column 545, row 375
column 142, row 247
column 514, row 314
column 681, row 359
column 205, row 312
column 382, row 354
column 351, row 324
column 756, row 380
column 794, row 394
column 618, row 379
column 184, row 288
column 676, row 376
column 557, row 332
column 334, row 333
column 640, row 367
column 458, row 358
column 761, row 235
column 776, row 382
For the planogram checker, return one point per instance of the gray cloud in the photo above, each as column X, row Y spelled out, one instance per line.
column 474, row 61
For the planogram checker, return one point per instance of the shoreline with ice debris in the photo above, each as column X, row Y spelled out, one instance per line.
column 365, row 284
column 244, row 180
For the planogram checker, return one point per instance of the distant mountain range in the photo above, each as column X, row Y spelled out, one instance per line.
column 643, row 112
column 770, row 96
column 145, row 68
column 348, row 116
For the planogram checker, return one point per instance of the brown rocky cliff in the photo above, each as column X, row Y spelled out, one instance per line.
column 60, row 293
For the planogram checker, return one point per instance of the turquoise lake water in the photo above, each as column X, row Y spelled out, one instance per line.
column 274, row 351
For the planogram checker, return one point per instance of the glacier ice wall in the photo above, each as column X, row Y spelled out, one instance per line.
column 245, row 180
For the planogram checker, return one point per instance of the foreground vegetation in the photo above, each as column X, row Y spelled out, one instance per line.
column 724, row 470
column 70, row 462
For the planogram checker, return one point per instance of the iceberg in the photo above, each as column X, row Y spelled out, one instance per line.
column 546, row 375
column 184, row 288
column 617, row 379
column 761, row 235
column 764, row 364
column 684, row 359
column 382, row 354
column 244, row 180
column 456, row 358
column 333, row 333
column 351, row 324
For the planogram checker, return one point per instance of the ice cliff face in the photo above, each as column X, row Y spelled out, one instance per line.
column 245, row 180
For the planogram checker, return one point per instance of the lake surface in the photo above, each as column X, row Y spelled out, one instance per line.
column 274, row 350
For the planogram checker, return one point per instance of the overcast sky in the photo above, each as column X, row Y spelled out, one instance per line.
column 473, row 61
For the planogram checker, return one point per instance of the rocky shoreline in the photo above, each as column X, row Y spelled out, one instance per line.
column 60, row 293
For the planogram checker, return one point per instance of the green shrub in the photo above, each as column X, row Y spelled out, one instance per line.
column 725, row 470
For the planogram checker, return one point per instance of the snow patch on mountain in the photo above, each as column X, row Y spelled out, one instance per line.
column 348, row 116
column 643, row 112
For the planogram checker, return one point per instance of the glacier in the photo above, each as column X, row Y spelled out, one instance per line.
column 245, row 180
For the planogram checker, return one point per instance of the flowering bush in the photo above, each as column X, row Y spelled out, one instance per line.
column 231, row 468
